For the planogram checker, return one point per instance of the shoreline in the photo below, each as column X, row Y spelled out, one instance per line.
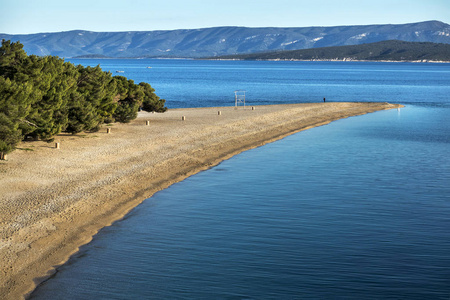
column 338, row 60
column 276, row 59
column 53, row 201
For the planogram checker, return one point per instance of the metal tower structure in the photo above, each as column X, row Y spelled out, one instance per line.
column 239, row 97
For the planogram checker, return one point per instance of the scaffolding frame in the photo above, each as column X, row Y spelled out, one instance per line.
column 239, row 97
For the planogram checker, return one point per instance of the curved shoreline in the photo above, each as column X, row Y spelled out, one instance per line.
column 53, row 201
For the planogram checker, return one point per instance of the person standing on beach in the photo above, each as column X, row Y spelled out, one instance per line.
column 323, row 99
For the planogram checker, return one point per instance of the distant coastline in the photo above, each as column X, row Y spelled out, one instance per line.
column 279, row 59
column 337, row 60
column 384, row 51
column 138, row 57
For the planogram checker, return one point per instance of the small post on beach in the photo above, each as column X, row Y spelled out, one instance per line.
column 253, row 108
column 3, row 156
column 108, row 130
column 219, row 112
column 147, row 123
column 183, row 118
column 57, row 145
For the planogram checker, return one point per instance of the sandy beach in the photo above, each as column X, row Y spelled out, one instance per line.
column 52, row 200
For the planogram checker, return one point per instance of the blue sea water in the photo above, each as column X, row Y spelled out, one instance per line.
column 357, row 209
column 198, row 83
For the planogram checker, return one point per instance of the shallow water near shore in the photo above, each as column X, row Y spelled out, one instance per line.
column 357, row 209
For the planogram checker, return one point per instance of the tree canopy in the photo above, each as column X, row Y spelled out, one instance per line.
column 44, row 96
column 385, row 50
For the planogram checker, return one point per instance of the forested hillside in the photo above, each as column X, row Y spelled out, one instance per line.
column 381, row 51
column 43, row 96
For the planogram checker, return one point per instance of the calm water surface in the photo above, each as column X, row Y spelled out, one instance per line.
column 194, row 83
column 358, row 209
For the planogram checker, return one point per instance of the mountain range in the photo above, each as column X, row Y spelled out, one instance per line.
column 217, row 41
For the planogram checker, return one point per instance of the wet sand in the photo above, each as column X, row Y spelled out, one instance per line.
column 52, row 201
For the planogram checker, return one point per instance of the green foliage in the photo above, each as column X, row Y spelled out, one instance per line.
column 54, row 83
column 43, row 96
column 92, row 103
column 12, row 57
column 151, row 101
column 130, row 98
column 15, row 106
column 126, row 111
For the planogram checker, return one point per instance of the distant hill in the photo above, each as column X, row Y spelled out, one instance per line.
column 218, row 41
column 379, row 51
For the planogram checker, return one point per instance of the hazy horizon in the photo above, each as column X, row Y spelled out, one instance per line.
column 25, row 17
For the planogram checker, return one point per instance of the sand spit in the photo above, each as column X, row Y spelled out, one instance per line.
column 54, row 200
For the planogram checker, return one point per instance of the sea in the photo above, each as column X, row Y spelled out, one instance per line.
column 356, row 209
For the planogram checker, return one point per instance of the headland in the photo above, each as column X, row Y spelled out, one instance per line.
column 53, row 200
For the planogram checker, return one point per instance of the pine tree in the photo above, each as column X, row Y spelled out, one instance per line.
column 55, row 82
column 43, row 96
column 15, row 105
column 92, row 104
column 12, row 57
column 130, row 98
column 151, row 101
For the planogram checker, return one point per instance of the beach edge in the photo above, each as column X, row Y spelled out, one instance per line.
column 56, row 248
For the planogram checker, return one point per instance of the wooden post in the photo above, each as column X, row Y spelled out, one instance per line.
column 57, row 145
column 147, row 123
column 5, row 157
column 183, row 118
column 108, row 130
column 219, row 112
column 253, row 108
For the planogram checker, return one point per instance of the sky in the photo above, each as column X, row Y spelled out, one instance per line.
column 36, row 16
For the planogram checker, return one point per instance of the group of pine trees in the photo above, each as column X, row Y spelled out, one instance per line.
column 43, row 96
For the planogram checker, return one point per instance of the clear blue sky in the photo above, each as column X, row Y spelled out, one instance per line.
column 33, row 16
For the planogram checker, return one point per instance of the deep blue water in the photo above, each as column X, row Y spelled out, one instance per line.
column 357, row 209
column 195, row 83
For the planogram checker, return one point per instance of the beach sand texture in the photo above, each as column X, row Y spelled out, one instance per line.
column 54, row 200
